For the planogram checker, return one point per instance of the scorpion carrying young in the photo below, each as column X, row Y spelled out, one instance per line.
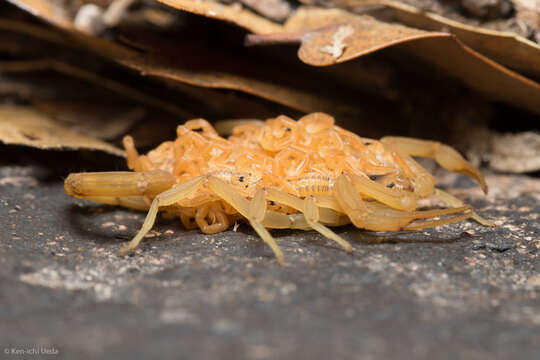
column 305, row 174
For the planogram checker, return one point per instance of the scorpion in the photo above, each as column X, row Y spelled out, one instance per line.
column 282, row 174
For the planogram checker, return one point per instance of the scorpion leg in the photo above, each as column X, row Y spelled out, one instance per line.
column 445, row 156
column 330, row 211
column 327, row 202
column 349, row 200
column 380, row 217
column 272, row 219
column 311, row 213
column 168, row 197
column 453, row 201
column 383, row 218
column 433, row 223
column 254, row 210
column 397, row 199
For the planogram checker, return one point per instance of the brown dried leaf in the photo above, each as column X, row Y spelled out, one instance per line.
column 307, row 18
column 350, row 37
column 506, row 48
column 236, row 74
column 92, row 78
column 25, row 126
column 477, row 71
column 277, row 10
column 220, row 102
column 369, row 35
column 107, row 121
column 21, row 27
column 202, row 67
column 230, row 103
column 51, row 11
column 231, row 13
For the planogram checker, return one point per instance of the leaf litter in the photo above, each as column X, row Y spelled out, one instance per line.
column 478, row 57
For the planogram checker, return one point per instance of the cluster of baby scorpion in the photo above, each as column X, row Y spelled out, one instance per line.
column 305, row 174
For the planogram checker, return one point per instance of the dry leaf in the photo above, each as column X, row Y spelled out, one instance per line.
column 440, row 49
column 277, row 10
column 327, row 39
column 231, row 103
column 509, row 49
column 21, row 27
column 51, row 11
column 223, row 104
column 107, row 121
column 92, row 78
column 477, row 71
column 24, row 126
column 225, row 72
column 366, row 34
column 201, row 67
column 308, row 18
column 506, row 48
column 231, row 13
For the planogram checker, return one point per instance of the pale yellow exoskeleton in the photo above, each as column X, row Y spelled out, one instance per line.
column 306, row 174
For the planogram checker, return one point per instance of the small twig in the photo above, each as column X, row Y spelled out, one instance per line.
column 273, row 39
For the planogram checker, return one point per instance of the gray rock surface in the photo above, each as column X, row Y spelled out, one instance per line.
column 456, row 292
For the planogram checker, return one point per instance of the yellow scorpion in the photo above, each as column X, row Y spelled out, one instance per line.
column 281, row 173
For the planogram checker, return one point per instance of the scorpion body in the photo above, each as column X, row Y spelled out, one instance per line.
column 306, row 174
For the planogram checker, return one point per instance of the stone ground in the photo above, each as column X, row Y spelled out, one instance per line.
column 456, row 292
